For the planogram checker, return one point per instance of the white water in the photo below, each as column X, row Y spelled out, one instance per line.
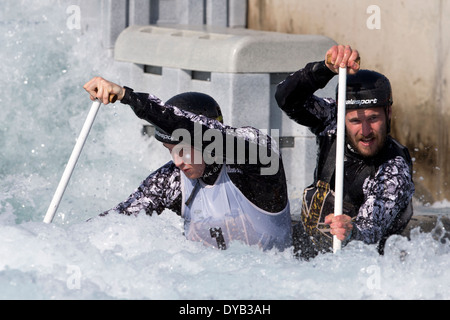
column 43, row 106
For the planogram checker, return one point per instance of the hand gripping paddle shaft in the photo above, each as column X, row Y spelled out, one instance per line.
column 73, row 159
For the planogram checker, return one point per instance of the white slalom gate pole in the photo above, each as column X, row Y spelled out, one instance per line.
column 340, row 144
column 72, row 161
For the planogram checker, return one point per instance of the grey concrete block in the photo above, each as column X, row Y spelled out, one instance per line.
column 215, row 49
column 237, row 14
column 139, row 12
column 114, row 20
column 190, row 12
column 167, row 11
column 217, row 13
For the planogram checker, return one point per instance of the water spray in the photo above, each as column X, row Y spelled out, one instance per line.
column 54, row 204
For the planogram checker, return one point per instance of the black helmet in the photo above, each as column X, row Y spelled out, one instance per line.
column 195, row 102
column 367, row 89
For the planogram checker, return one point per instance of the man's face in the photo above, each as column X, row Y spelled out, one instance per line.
column 367, row 129
column 187, row 159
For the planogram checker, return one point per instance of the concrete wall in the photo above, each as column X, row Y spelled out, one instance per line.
column 409, row 42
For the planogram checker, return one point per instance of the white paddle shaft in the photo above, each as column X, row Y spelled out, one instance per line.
column 72, row 162
column 340, row 144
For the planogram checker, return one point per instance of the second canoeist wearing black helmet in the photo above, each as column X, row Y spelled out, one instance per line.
column 378, row 185
column 216, row 179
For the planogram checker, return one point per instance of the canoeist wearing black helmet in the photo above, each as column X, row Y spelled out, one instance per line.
column 378, row 185
column 216, row 180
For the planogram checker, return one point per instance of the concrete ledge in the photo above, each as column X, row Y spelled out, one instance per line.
column 217, row 49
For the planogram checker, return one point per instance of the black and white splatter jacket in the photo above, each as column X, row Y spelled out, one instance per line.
column 385, row 191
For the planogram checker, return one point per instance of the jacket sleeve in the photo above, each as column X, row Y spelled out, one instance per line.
column 388, row 193
column 159, row 191
column 295, row 96
column 170, row 118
